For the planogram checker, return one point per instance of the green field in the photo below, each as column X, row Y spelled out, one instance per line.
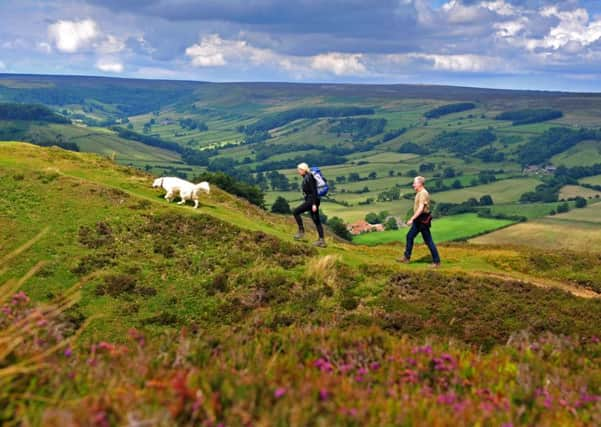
column 593, row 180
column 501, row 191
column 527, row 210
column 578, row 229
column 583, row 154
column 592, row 213
column 456, row 227
column 571, row 191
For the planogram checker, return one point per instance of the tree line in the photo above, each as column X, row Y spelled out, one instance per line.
column 527, row 116
column 448, row 109
column 30, row 112
column 553, row 141
column 464, row 142
column 359, row 128
column 280, row 119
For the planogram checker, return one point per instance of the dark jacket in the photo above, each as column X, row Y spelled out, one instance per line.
column 310, row 189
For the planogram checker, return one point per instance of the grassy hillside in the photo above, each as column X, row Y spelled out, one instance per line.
column 216, row 315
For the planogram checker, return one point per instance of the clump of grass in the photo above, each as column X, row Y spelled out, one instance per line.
column 101, row 236
column 581, row 268
column 30, row 334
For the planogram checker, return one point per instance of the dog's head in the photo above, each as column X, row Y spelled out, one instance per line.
column 202, row 187
column 157, row 183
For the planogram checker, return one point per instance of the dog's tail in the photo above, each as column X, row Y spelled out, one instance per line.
column 203, row 186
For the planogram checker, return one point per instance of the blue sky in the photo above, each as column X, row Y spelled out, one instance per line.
column 521, row 44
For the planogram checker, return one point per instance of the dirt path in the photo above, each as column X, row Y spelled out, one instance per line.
column 543, row 283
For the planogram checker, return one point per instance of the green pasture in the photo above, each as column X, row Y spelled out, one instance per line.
column 456, row 227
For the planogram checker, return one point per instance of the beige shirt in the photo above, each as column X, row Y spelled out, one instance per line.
column 422, row 197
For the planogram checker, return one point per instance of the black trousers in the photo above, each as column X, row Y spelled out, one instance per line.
column 306, row 207
column 415, row 229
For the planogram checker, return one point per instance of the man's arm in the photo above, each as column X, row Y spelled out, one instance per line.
column 416, row 214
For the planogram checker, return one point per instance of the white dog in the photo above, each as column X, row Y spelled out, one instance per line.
column 180, row 187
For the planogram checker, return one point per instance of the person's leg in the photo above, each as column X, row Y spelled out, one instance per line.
column 430, row 243
column 410, row 238
column 304, row 207
column 317, row 221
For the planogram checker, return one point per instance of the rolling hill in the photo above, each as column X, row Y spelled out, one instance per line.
column 369, row 140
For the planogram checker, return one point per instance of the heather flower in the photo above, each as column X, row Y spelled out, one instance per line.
column 137, row 336
column 461, row 405
column 20, row 297
column 447, row 398
column 410, row 376
column 487, row 407
column 426, row 349
column 446, row 357
column 345, row 367
column 324, row 394
column 323, row 365
column 68, row 352
column 411, row 361
column 374, row 366
column 103, row 345
column 353, row 412
column 279, row 392
column 100, row 418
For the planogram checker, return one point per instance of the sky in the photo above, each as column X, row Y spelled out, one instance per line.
column 515, row 44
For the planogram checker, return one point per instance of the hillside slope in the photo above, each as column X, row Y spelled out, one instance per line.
column 73, row 193
column 231, row 274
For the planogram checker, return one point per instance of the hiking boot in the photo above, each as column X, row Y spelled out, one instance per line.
column 320, row 243
column 435, row 265
column 403, row 260
column 299, row 235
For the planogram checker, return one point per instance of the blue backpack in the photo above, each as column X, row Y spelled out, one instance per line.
column 322, row 183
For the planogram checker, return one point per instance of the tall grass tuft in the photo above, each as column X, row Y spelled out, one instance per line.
column 29, row 333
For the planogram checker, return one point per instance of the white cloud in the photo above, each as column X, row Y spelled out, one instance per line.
column 461, row 63
column 109, row 65
column 499, row 7
column 213, row 51
column 2, row 65
column 339, row 63
column 111, row 44
column 508, row 29
column 207, row 53
column 574, row 28
column 71, row 36
column 458, row 13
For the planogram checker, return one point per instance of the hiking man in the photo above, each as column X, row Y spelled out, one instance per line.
column 420, row 222
column 311, row 204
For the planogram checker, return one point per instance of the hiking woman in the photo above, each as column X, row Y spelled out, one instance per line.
column 311, row 204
